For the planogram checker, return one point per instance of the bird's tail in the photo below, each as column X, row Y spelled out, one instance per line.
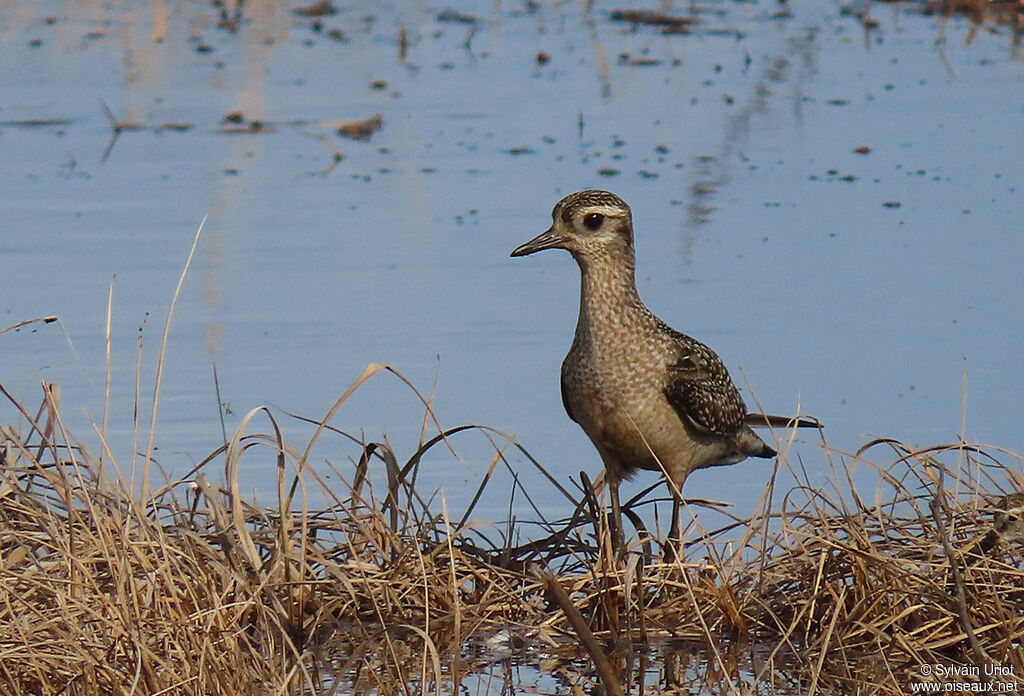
column 764, row 420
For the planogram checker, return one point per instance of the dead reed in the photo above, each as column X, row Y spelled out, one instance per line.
column 190, row 589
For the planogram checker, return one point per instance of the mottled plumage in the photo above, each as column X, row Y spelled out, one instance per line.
column 1007, row 522
column 648, row 396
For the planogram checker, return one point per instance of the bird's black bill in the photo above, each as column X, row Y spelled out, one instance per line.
column 545, row 240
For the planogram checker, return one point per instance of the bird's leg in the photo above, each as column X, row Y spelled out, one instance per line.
column 672, row 544
column 618, row 538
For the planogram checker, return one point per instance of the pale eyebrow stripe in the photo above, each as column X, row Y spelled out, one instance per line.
column 606, row 210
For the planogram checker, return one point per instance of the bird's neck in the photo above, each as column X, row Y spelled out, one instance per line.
column 608, row 293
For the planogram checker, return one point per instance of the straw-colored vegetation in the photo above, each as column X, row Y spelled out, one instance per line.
column 112, row 587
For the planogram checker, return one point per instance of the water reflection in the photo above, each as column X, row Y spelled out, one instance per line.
column 497, row 666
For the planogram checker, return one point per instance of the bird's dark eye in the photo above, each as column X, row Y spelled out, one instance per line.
column 593, row 221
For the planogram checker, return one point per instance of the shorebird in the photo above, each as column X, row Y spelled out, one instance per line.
column 647, row 396
column 1007, row 528
column 1007, row 525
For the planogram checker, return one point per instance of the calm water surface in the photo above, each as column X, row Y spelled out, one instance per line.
column 866, row 288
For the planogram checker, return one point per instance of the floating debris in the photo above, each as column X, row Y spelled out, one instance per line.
column 173, row 126
column 403, row 43
column 234, row 123
column 626, row 59
column 317, row 9
column 652, row 18
column 362, row 129
column 36, row 122
column 725, row 31
column 455, row 17
column 676, row 29
column 250, row 128
column 862, row 150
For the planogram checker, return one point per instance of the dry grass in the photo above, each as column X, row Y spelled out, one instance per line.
column 188, row 589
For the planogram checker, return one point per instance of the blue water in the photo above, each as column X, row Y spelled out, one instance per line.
column 759, row 229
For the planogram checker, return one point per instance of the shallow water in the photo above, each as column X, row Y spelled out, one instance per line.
column 866, row 289
column 505, row 663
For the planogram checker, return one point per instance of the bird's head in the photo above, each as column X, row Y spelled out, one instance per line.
column 589, row 224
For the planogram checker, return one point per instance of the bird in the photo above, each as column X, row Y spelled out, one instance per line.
column 647, row 396
column 1007, row 525
column 1007, row 528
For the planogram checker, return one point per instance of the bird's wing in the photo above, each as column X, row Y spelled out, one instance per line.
column 765, row 420
column 700, row 390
